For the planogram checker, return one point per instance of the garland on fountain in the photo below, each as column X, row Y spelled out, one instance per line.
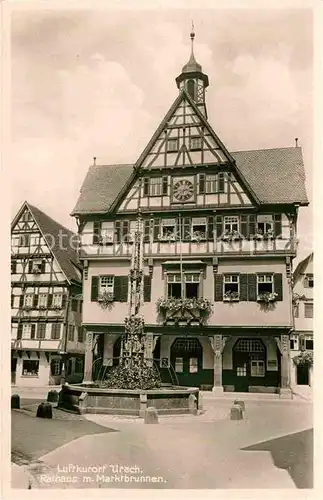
column 134, row 370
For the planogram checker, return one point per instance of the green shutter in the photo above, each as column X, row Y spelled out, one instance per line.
column 244, row 226
column 219, row 226
column 21, row 300
column 252, row 287
column 33, row 331
column 94, row 288
column 278, row 225
column 19, row 331
column 252, row 225
column 156, row 229
column 210, row 227
column 30, row 266
column 147, row 288
column 118, row 231
column 218, row 287
column 201, row 183
column 125, row 230
column 49, row 300
column 121, row 288
column 165, row 185
column 278, row 286
column 186, row 227
column 63, row 301
column 146, row 230
column 243, row 283
column 96, row 232
column 35, row 301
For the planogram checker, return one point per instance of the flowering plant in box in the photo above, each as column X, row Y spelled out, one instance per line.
column 230, row 296
column 267, row 297
column 105, row 298
column 305, row 358
column 172, row 304
column 231, row 236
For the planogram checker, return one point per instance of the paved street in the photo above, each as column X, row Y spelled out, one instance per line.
column 264, row 450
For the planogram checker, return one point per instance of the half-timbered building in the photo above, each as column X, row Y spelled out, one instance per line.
column 302, row 340
column 219, row 230
column 46, row 300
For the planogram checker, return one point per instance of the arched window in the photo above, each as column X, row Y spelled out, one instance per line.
column 191, row 88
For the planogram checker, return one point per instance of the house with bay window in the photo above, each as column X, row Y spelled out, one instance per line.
column 302, row 339
column 47, row 340
column 218, row 235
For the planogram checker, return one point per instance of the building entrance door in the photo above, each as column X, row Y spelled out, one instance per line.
column 302, row 375
column 249, row 362
column 187, row 361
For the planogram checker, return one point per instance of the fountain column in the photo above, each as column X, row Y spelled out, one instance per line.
column 88, row 360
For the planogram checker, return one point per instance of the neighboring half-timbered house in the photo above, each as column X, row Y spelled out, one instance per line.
column 219, row 233
column 46, row 301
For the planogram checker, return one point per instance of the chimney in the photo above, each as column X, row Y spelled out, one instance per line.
column 296, row 142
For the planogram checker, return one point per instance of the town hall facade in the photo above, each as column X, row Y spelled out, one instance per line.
column 219, row 239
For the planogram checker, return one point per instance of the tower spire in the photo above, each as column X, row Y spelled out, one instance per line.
column 192, row 36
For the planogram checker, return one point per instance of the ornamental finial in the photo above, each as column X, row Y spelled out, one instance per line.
column 192, row 35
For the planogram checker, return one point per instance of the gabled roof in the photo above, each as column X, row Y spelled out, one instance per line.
column 302, row 266
column 59, row 239
column 276, row 176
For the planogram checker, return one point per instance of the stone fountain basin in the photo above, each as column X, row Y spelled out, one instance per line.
column 87, row 398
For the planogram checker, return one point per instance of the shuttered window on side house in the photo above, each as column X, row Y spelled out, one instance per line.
column 121, row 288
column 147, row 288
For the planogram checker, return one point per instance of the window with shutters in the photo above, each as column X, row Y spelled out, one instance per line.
column 265, row 283
column 168, row 229
column 106, row 236
column 41, row 330
column 30, row 368
column 71, row 331
column 56, row 331
column 195, row 142
column 42, row 300
column 294, row 342
column 106, row 284
column 199, row 228
column 231, row 287
column 28, row 300
column 221, row 183
column 308, row 310
column 57, row 300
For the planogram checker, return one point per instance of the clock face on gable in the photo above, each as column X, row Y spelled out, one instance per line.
column 183, row 190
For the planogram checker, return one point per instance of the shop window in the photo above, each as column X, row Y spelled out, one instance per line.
column 199, row 228
column 257, row 368
column 249, row 345
column 231, row 287
column 308, row 310
column 30, row 368
column 179, row 368
column 56, row 367
column 265, row 283
column 294, row 342
column 193, row 365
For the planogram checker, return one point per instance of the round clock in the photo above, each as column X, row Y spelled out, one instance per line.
column 183, row 190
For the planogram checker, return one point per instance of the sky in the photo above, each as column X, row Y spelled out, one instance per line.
column 93, row 83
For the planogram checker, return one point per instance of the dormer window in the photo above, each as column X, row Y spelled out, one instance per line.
column 172, row 145
column 195, row 143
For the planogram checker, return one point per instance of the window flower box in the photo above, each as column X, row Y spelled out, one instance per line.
column 269, row 235
column 106, row 298
column 305, row 358
column 167, row 237
column 267, row 297
column 231, row 296
column 173, row 304
column 42, row 308
column 198, row 236
column 27, row 308
column 36, row 270
column 230, row 236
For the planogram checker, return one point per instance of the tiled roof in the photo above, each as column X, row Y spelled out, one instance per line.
column 276, row 176
column 54, row 233
column 302, row 266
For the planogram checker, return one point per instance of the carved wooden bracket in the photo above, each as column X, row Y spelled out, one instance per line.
column 215, row 264
column 278, row 342
column 217, row 343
